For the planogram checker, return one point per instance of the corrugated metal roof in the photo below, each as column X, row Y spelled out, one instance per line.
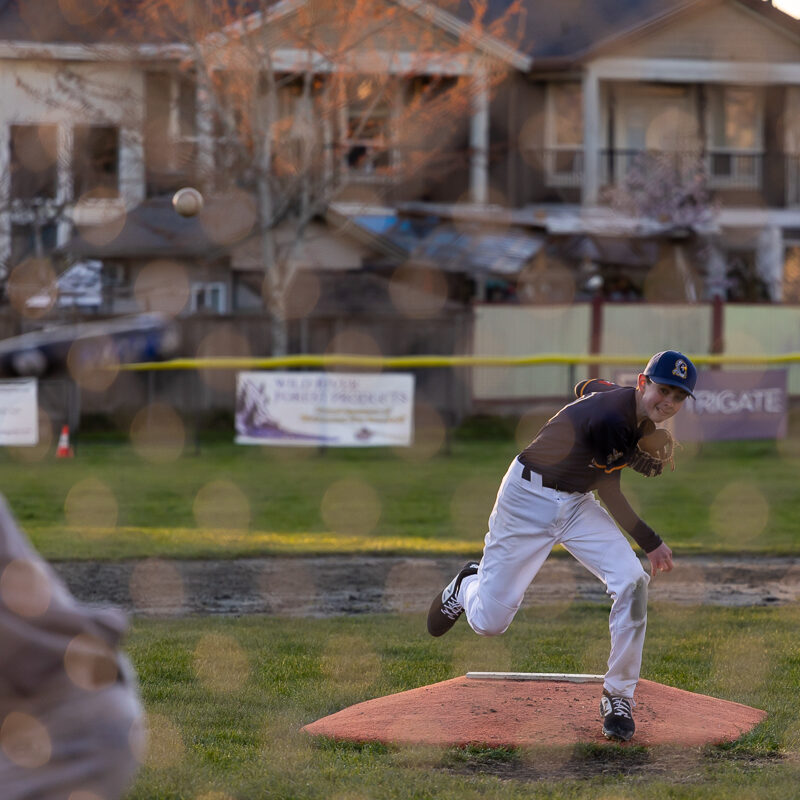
column 455, row 247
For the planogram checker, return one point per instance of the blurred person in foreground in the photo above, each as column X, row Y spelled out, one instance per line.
column 71, row 725
column 547, row 498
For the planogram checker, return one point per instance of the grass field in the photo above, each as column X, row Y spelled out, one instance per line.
column 226, row 697
column 226, row 500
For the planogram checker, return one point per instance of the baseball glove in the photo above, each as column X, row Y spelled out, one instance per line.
column 653, row 451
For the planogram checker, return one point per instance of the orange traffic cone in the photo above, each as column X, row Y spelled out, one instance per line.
column 64, row 449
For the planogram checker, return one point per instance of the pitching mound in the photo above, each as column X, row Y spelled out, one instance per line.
column 533, row 713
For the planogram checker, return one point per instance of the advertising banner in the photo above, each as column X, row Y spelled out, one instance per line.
column 741, row 404
column 19, row 413
column 332, row 409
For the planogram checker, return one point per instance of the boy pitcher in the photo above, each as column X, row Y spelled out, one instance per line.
column 547, row 498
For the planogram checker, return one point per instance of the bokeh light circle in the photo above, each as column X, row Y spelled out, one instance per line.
column 429, row 435
column 25, row 740
column 162, row 286
column 351, row 507
column 229, row 218
column 156, row 587
column 470, row 506
column 353, row 341
column 90, row 503
column 222, row 505
column 82, row 794
column 82, row 12
column 97, row 225
column 739, row 514
column 25, row 588
column 41, row 449
column 220, row 663
column 410, row 583
column 302, row 295
column 90, row 663
column 290, row 589
column 165, row 746
column 418, row 292
column 158, row 434
column 32, row 288
column 93, row 362
column 350, row 664
column 223, row 342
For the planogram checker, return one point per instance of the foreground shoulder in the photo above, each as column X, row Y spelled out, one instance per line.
column 582, row 388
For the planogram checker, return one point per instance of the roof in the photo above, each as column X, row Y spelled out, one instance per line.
column 151, row 230
column 571, row 29
column 75, row 22
column 99, row 22
column 455, row 246
column 567, row 30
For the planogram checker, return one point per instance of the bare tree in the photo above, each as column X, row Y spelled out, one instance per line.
column 670, row 190
column 302, row 99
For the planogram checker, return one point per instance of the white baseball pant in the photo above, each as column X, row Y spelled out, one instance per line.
column 527, row 521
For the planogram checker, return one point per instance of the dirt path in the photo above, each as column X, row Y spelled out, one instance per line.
column 331, row 586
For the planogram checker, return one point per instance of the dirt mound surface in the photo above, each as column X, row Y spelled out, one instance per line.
column 525, row 714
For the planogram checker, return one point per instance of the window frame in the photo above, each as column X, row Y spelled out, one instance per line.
column 554, row 149
column 200, row 287
column 737, row 176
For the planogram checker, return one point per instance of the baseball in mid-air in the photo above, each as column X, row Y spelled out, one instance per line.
column 187, row 201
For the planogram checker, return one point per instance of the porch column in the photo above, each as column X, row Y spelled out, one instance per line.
column 205, row 138
column 716, row 270
column 591, row 138
column 64, row 191
column 769, row 261
column 479, row 140
column 5, row 200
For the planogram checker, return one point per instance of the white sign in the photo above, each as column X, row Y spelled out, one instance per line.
column 19, row 413
column 330, row 409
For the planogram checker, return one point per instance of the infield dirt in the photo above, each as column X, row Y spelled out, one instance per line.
column 333, row 586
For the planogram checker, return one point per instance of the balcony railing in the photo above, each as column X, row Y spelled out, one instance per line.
column 776, row 176
column 793, row 180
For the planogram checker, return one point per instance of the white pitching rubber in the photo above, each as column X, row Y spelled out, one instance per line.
column 570, row 677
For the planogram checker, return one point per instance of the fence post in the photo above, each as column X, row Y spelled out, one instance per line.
column 596, row 333
column 717, row 327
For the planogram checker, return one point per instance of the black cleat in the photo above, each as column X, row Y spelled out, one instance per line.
column 445, row 608
column 617, row 716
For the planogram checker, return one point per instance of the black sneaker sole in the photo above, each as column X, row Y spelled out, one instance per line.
column 438, row 623
column 618, row 736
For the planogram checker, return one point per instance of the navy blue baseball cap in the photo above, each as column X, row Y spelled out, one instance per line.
column 672, row 368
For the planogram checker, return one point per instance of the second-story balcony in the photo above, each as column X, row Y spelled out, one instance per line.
column 734, row 177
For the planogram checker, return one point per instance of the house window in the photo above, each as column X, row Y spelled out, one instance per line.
column 29, row 241
column 95, row 161
column 209, row 297
column 366, row 125
column 792, row 145
column 735, row 148
column 564, row 134
column 33, row 162
column 171, row 120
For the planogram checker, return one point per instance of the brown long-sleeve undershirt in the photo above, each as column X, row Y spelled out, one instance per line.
column 618, row 506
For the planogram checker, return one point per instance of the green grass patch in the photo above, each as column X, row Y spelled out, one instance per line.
column 227, row 698
column 225, row 500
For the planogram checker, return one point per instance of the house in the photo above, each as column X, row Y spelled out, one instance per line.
column 716, row 82
column 101, row 121
column 528, row 120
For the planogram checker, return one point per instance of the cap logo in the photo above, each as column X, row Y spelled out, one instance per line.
column 680, row 369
